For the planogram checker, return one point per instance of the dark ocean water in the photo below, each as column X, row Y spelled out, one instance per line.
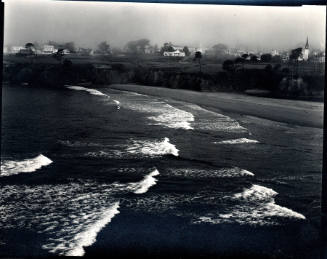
column 96, row 172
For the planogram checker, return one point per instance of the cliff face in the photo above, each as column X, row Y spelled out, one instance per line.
column 57, row 75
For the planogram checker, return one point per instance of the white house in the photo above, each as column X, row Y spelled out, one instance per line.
column 16, row 49
column 176, row 53
column 274, row 52
column 49, row 49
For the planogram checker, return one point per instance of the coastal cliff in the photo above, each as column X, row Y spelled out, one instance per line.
column 274, row 83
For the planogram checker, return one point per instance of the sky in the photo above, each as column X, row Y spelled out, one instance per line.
column 88, row 23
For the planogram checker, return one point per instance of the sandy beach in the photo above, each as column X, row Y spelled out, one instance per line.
column 302, row 113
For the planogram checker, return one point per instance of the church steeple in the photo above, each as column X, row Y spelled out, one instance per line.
column 307, row 44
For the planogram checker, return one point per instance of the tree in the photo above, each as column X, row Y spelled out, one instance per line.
column 167, row 47
column 155, row 49
column 266, row 57
column 245, row 56
column 104, row 47
column 219, row 49
column 295, row 54
column 254, row 58
column 70, row 46
column 137, row 46
column 198, row 56
column 276, row 59
column 30, row 47
column 239, row 60
column 186, row 51
column 228, row 65
column 36, row 45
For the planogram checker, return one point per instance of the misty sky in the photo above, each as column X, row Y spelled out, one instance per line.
column 87, row 24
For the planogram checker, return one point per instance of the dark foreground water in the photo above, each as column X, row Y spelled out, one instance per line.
column 87, row 172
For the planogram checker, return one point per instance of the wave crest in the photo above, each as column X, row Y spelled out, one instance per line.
column 144, row 185
column 12, row 167
column 153, row 148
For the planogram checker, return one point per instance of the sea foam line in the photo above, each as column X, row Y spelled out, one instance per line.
column 163, row 114
column 174, row 118
column 12, row 167
column 88, row 236
column 92, row 91
column 89, row 90
column 144, row 185
column 237, row 141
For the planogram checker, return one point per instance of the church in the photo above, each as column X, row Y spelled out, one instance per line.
column 305, row 51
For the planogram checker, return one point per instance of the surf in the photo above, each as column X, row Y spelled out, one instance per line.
column 13, row 167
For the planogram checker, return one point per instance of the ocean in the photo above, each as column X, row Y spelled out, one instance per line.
column 96, row 172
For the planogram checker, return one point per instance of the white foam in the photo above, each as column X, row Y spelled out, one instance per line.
column 163, row 114
column 256, row 207
column 144, row 185
column 256, row 193
column 12, row 167
column 237, row 141
column 209, row 120
column 117, row 103
column 89, row 90
column 210, row 173
column 88, row 236
column 172, row 117
column 72, row 214
column 137, row 148
column 93, row 92
column 153, row 148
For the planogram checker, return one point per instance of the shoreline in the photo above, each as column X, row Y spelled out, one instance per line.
column 296, row 112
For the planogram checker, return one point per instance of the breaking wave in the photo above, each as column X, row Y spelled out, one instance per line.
column 173, row 117
column 163, row 114
column 153, row 148
column 137, row 148
column 12, row 167
column 238, row 141
column 89, row 90
column 88, row 236
column 256, row 207
column 92, row 91
column 117, row 103
column 69, row 216
column 209, row 120
column 144, row 185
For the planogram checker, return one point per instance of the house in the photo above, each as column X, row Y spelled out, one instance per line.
column 49, row 49
column 66, row 51
column 176, row 53
column 16, row 49
column 274, row 53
